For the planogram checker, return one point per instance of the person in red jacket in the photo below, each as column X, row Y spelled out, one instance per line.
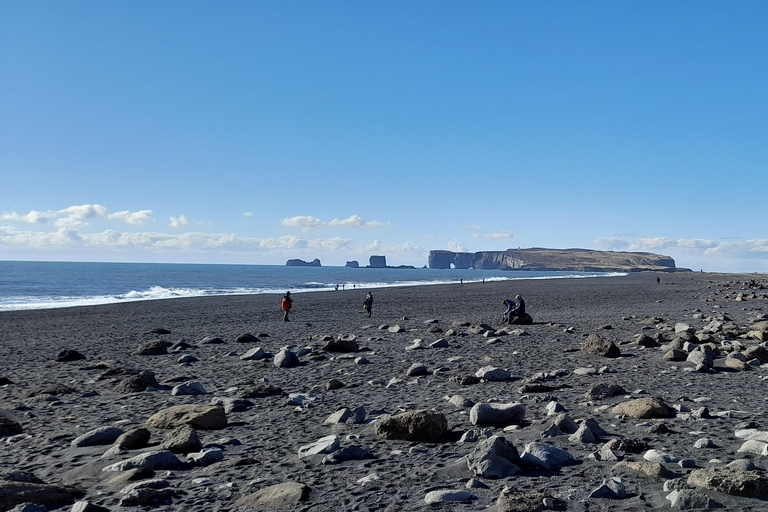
column 286, row 305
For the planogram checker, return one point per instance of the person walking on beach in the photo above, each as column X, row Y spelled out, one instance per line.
column 286, row 305
column 368, row 304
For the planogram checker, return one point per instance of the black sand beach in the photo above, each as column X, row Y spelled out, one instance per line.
column 54, row 402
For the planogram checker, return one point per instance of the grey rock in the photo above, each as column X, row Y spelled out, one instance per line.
column 286, row 494
column 347, row 454
column 253, row 354
column 687, row 499
column 546, row 456
column 497, row 415
column 286, row 359
column 491, row 373
column 421, row 425
column 327, row 444
column 447, row 496
column 417, row 369
column 598, row 346
column 153, row 348
column 206, row 457
column 155, row 460
column 191, row 387
column 182, row 439
column 98, row 436
column 494, row 457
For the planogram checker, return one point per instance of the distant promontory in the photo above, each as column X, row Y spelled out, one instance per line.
column 301, row 263
column 574, row 260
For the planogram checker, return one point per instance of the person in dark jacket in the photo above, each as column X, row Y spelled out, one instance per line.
column 368, row 304
column 509, row 304
column 518, row 310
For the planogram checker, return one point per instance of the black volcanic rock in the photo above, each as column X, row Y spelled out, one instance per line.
column 352, row 264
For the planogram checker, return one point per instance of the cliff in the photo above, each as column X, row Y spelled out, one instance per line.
column 576, row 260
column 301, row 263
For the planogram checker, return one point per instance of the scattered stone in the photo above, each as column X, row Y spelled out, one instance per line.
column 286, row 359
column 602, row 391
column 461, row 402
column 342, row 345
column 440, row 343
column 286, row 494
column 526, row 501
column 203, row 417
column 182, row 439
column 494, row 457
column 13, row 493
column 134, row 439
column 211, row 340
column 446, row 496
column 675, row 355
column 191, row 387
column 650, row 469
column 417, row 369
column 642, row 408
column 247, row 338
column 497, row 415
column 491, row 373
column 347, row 454
column 334, row 384
column 260, row 390
column 687, row 499
column 731, row 481
column 421, row 425
column 598, row 346
column 565, row 424
column 69, row 355
column 465, row 380
column 254, row 354
column 138, row 382
column 327, row 444
column 98, row 436
column 153, row 348
column 206, row 457
column 154, row 460
column 612, row 488
column 396, row 329
column 546, row 456
column 646, row 341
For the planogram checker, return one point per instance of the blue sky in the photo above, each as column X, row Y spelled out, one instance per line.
column 254, row 132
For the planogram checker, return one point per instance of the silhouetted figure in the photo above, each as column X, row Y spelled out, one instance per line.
column 368, row 304
column 658, row 280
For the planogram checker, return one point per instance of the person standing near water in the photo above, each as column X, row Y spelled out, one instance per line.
column 368, row 304
column 286, row 305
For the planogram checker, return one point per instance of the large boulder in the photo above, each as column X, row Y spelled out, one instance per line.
column 182, row 439
column 341, row 345
column 202, row 417
column 9, row 425
column 598, row 346
column 286, row 494
column 642, row 408
column 153, row 348
column 737, row 482
column 423, row 425
column 138, row 382
column 546, row 456
column 494, row 457
column 155, row 460
column 497, row 415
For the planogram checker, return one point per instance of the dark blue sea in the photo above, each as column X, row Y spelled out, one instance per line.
column 39, row 285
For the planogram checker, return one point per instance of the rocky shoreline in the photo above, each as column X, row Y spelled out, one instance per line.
column 625, row 394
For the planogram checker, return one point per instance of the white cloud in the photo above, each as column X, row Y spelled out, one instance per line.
column 611, row 244
column 179, row 221
column 33, row 217
column 301, row 221
column 474, row 227
column 456, row 246
column 499, row 235
column 84, row 211
column 248, row 214
column 133, row 218
column 307, row 222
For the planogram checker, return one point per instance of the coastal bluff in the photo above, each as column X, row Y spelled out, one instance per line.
column 575, row 260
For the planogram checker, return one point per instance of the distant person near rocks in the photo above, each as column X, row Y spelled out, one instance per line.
column 286, row 305
column 518, row 315
column 368, row 304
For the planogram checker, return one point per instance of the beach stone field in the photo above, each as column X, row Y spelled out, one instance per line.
column 624, row 394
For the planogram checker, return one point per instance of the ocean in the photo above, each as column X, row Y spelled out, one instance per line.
column 41, row 285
